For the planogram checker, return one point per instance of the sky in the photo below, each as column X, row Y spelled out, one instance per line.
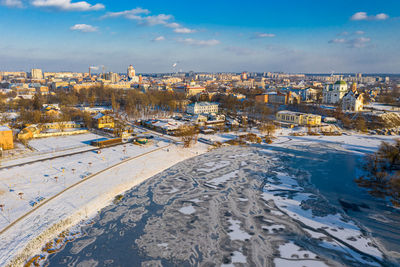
column 296, row 36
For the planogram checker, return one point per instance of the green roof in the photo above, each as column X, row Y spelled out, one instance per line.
column 341, row 82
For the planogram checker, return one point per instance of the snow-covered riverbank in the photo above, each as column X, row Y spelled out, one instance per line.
column 28, row 235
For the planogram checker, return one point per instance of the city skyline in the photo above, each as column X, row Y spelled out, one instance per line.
column 157, row 36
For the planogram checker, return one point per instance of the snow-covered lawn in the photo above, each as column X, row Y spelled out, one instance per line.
column 51, row 144
column 380, row 106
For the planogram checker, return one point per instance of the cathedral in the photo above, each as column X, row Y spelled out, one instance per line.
column 333, row 93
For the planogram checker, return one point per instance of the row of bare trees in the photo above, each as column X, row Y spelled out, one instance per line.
column 382, row 173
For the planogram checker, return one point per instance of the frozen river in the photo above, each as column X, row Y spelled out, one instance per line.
column 332, row 172
column 293, row 205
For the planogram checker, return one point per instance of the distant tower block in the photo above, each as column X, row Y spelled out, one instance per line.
column 354, row 87
column 36, row 74
column 131, row 72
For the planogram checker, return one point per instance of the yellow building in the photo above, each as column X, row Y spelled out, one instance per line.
column 6, row 138
column 28, row 132
column 298, row 118
column 78, row 87
column 103, row 121
column 43, row 90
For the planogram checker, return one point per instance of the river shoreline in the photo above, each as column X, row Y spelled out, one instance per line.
column 29, row 235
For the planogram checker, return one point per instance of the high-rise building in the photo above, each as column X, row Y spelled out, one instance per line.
column 354, row 87
column 131, row 73
column 113, row 77
column 36, row 74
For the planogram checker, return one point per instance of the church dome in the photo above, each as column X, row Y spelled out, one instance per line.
column 341, row 82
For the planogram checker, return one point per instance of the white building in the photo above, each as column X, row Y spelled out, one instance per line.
column 353, row 101
column 202, row 108
column 36, row 74
column 131, row 73
column 333, row 93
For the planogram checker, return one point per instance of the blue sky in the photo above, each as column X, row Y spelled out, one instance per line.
column 313, row 36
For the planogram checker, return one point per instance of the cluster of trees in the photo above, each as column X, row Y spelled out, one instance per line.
column 133, row 102
column 382, row 173
column 247, row 107
column 388, row 96
column 130, row 101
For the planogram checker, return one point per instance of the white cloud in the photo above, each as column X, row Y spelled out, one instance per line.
column 184, row 30
column 12, row 3
column 67, row 5
column 337, row 41
column 173, row 25
column 83, row 28
column 364, row 16
column 137, row 15
column 142, row 17
column 160, row 19
column 382, row 16
column 359, row 32
column 358, row 42
column 359, row 16
column 133, row 14
column 352, row 43
column 265, row 35
column 159, row 39
column 194, row 42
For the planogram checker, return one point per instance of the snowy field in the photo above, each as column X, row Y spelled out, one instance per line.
column 383, row 107
column 351, row 141
column 52, row 144
column 22, row 188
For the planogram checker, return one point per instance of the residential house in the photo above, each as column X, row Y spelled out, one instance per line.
column 103, row 121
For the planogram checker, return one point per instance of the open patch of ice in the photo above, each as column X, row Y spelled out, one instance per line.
column 187, row 210
column 213, row 166
column 298, row 263
column 173, row 190
column 292, row 251
column 224, row 178
column 238, row 257
column 236, row 233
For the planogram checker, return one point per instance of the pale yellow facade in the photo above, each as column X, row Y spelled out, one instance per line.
column 298, row 118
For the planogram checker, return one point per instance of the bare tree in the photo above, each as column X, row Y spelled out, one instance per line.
column 188, row 135
column 267, row 128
